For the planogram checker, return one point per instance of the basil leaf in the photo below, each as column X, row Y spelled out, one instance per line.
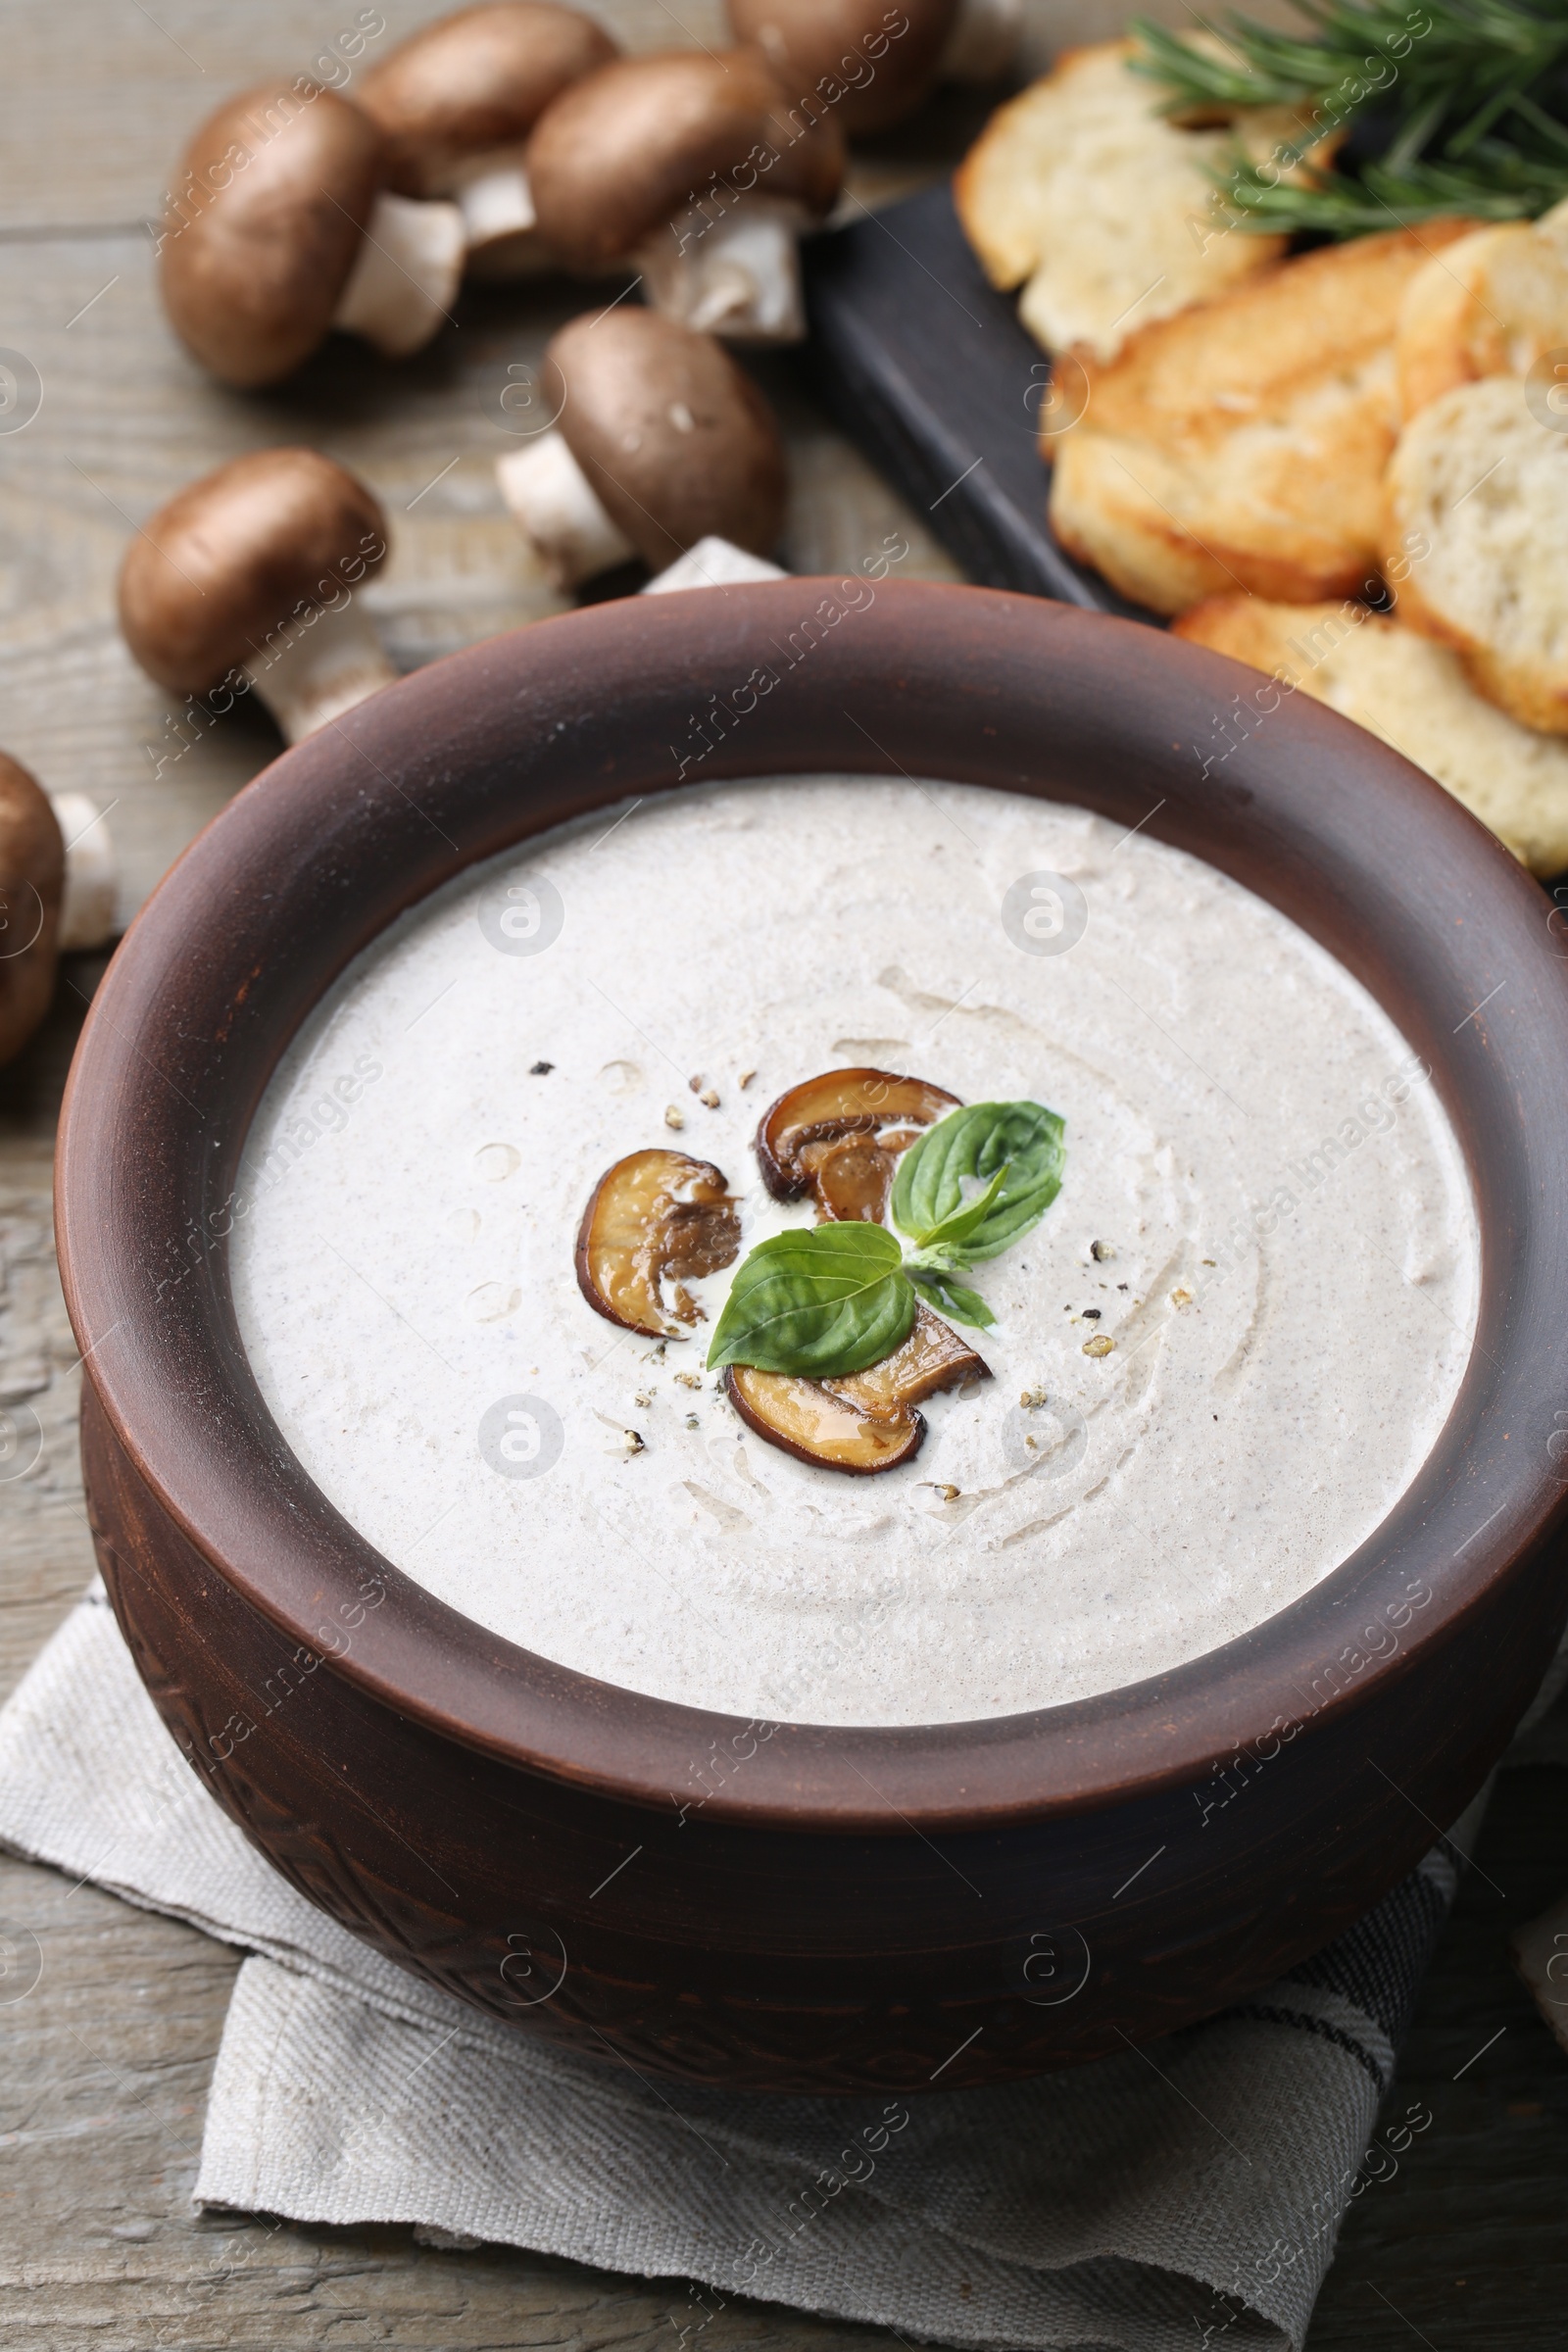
column 955, row 1229
column 938, row 1288
column 1023, row 1142
column 820, row 1301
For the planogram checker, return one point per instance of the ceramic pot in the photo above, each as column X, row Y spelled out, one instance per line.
column 847, row 1909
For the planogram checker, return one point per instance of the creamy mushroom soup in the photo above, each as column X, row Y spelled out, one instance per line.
column 1218, row 1357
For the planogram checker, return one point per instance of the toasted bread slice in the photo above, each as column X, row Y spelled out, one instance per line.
column 1481, row 484
column 1242, row 445
column 1107, row 206
column 1493, row 305
column 1416, row 696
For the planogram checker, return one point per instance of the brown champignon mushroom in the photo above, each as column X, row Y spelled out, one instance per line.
column 281, row 229
column 655, row 1217
column 867, row 1421
column 873, row 62
column 690, row 167
column 804, row 1418
column 249, row 576
column 457, row 102
column 659, row 440
column 33, row 872
column 933, row 1356
column 838, row 1137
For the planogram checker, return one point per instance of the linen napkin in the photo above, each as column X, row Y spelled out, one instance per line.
column 1197, row 2185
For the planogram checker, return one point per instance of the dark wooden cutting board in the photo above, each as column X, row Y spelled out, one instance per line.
column 927, row 369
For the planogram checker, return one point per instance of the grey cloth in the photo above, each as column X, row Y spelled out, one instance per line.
column 1193, row 2187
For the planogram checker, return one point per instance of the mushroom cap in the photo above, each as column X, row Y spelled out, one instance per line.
column 655, row 1218
column 626, row 150
column 474, row 82
column 818, row 1424
column 32, row 874
column 233, row 556
column 674, row 437
column 263, row 229
column 820, row 47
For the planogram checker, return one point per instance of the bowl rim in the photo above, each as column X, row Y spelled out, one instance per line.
column 515, row 736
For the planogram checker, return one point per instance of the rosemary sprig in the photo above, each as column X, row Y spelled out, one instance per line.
column 1474, row 94
column 1501, row 185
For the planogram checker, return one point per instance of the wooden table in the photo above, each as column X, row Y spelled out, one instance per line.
column 107, row 2059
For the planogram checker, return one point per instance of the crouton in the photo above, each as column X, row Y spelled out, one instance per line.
column 1485, row 482
column 1416, row 696
column 1493, row 305
column 1107, row 208
column 1242, row 445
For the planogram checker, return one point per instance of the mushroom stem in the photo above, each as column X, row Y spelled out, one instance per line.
column 560, row 512
column 738, row 276
column 984, row 40
column 405, row 274
column 87, row 909
column 713, row 563
column 315, row 669
column 496, row 202
column 493, row 195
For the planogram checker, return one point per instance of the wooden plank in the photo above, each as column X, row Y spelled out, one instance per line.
column 128, row 418
column 108, row 2058
column 108, row 2061
column 99, row 96
column 47, row 1546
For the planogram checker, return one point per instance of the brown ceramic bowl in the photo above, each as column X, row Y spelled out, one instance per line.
column 849, row 1908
